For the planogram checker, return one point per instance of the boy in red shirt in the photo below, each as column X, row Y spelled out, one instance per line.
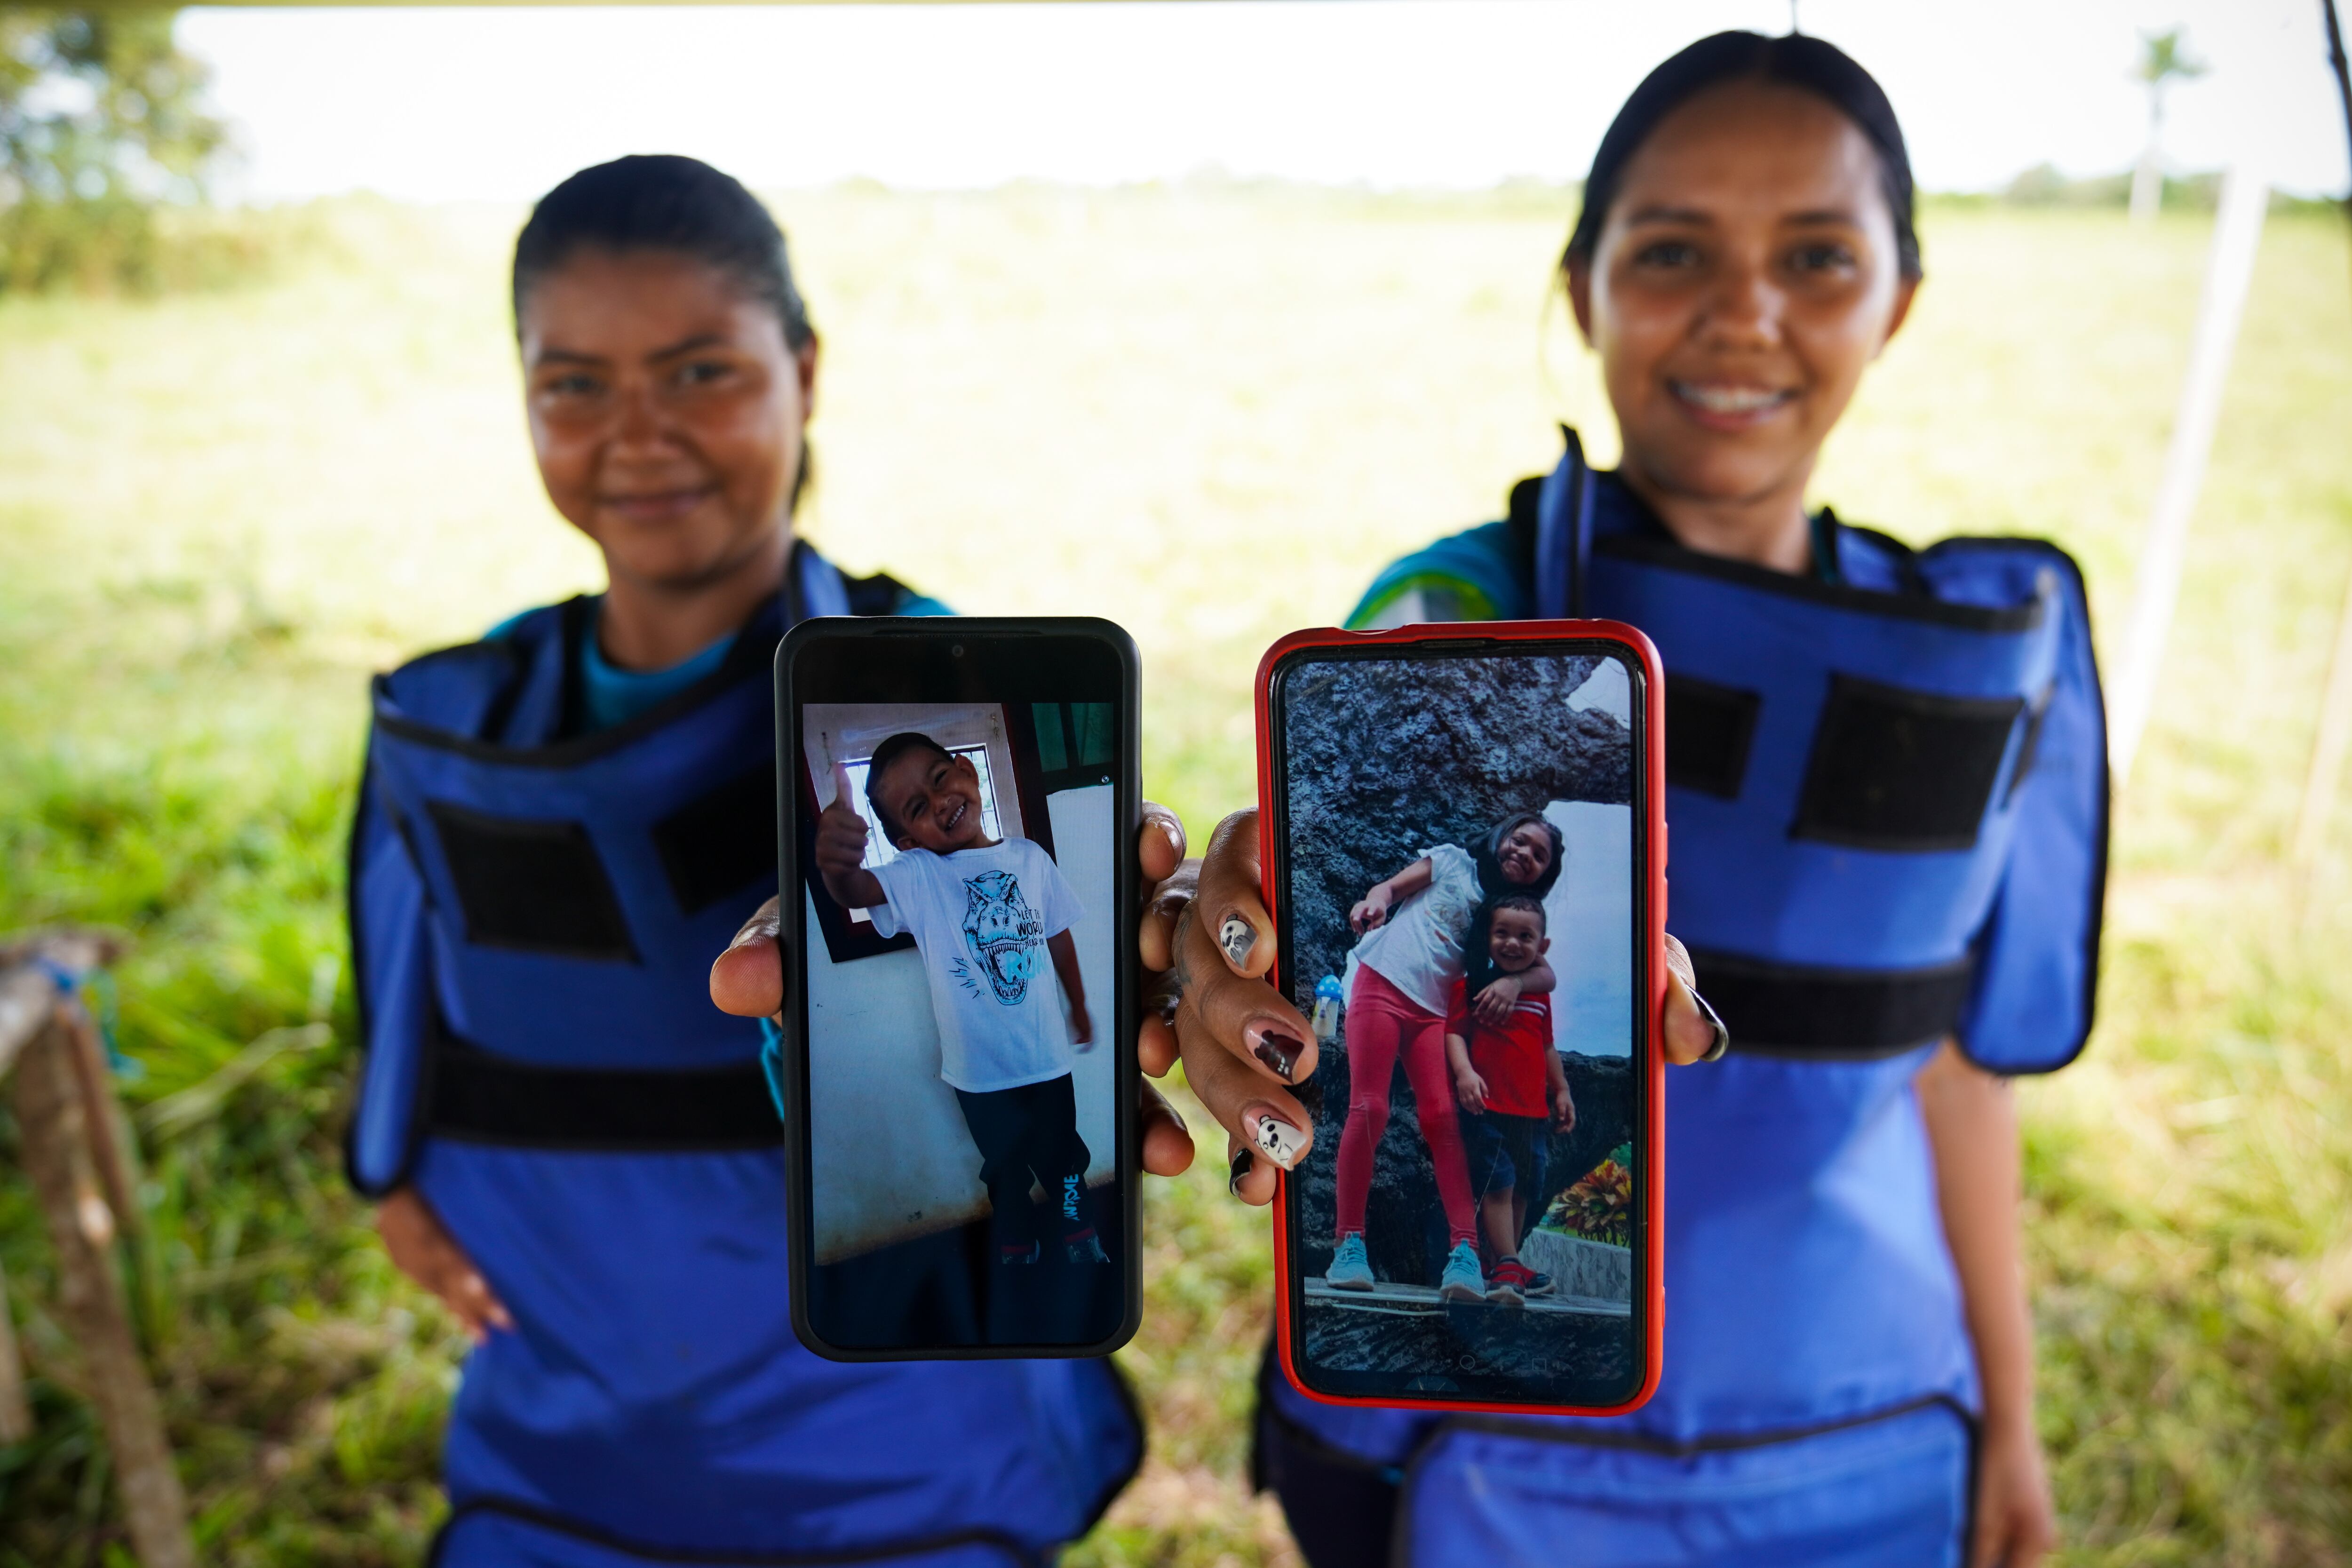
column 1512, row 1091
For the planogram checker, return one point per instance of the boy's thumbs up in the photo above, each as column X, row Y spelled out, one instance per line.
column 841, row 833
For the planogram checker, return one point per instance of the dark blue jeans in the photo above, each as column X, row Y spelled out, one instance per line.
column 1025, row 1133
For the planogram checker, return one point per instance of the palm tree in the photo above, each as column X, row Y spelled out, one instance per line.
column 2162, row 59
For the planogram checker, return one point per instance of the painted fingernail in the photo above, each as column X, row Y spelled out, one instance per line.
column 1277, row 1140
column 1237, row 937
column 1722, row 1041
column 1276, row 1050
column 1245, row 1162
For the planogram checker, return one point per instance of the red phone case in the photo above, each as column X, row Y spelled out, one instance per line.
column 1651, row 1265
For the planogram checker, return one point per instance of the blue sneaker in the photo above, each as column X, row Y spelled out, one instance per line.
column 1351, row 1268
column 1090, row 1250
column 1463, row 1280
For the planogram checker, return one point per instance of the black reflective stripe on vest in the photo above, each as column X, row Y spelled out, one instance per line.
column 536, row 885
column 721, row 841
column 1900, row 770
column 1710, row 729
column 1796, row 1010
column 478, row 1098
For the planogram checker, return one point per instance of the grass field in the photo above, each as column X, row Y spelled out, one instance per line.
column 1209, row 412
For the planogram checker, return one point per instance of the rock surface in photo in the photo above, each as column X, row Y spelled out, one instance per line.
column 1386, row 759
column 1473, row 1345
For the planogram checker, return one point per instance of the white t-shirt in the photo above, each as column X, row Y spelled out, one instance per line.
column 980, row 917
column 1418, row 948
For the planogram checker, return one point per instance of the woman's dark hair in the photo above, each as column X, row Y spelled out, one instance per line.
column 1812, row 65
column 664, row 202
column 1477, row 965
column 889, row 751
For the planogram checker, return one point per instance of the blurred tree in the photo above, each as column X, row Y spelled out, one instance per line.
column 2164, row 58
column 100, row 122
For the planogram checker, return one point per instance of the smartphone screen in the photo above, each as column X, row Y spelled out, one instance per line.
column 1461, row 869
column 961, row 803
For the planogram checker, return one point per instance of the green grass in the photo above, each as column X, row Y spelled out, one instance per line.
column 1210, row 413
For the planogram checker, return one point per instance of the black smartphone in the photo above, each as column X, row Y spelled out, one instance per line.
column 1464, row 844
column 958, row 803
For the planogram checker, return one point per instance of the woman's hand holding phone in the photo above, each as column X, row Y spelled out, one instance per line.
column 1228, row 1026
column 1227, row 1019
column 748, row 979
column 1207, row 935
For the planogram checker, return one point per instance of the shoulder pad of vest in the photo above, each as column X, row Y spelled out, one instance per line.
column 466, row 688
column 1995, row 569
column 454, row 688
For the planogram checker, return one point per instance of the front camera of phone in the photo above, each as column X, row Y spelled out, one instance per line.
column 957, row 649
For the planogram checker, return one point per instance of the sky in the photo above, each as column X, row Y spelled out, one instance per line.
column 497, row 104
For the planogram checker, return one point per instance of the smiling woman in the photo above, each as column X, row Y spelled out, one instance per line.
column 1887, row 791
column 1745, row 251
column 670, row 368
column 558, row 825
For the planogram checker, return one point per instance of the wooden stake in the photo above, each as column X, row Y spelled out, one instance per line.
column 16, row 1415
column 55, row 1135
column 102, row 1120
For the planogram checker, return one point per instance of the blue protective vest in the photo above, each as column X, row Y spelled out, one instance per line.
column 1886, row 801
column 533, row 916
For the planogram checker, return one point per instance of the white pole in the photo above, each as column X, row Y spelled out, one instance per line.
column 2237, row 232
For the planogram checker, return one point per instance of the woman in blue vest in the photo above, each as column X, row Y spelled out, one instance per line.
column 1887, row 789
column 558, row 825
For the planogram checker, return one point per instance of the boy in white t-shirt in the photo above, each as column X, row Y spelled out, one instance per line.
column 986, row 914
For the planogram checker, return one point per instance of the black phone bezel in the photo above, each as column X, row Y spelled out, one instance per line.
column 1451, row 642
column 887, row 653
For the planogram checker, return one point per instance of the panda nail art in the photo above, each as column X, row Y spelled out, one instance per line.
column 1277, row 1140
column 1237, row 937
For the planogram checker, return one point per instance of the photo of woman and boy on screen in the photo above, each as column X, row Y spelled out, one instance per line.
column 1462, row 907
